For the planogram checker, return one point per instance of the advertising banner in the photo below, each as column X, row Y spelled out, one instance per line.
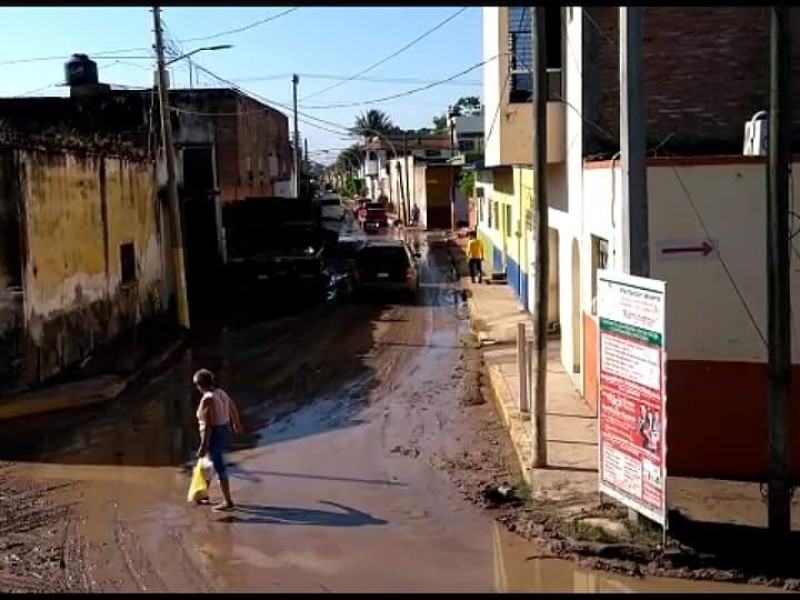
column 632, row 416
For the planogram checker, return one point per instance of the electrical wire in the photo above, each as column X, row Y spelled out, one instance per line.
column 408, row 80
column 103, row 54
column 499, row 106
column 391, row 56
column 403, row 94
column 241, row 29
column 717, row 253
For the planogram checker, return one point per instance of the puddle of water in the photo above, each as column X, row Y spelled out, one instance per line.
column 520, row 567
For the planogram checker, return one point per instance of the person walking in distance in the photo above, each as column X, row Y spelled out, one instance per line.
column 475, row 256
column 217, row 415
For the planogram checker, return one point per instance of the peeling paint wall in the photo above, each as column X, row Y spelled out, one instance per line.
column 77, row 212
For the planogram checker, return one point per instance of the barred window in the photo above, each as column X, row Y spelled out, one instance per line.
column 521, row 53
column 520, row 49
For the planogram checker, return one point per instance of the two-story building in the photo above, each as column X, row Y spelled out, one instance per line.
column 468, row 135
column 705, row 74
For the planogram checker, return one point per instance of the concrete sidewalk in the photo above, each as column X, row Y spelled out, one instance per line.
column 571, row 476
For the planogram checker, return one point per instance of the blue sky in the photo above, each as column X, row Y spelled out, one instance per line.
column 315, row 42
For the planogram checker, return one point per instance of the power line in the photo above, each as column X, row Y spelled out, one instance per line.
column 104, row 54
column 391, row 56
column 402, row 94
column 409, row 80
column 717, row 253
column 241, row 29
column 499, row 106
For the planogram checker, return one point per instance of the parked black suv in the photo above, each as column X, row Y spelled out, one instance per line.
column 388, row 266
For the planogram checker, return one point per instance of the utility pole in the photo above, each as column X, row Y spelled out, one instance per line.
column 408, row 176
column 539, row 98
column 633, row 133
column 778, row 290
column 297, row 150
column 451, row 119
column 633, row 159
column 176, row 228
column 306, row 165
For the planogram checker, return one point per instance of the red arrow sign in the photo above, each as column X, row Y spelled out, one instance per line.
column 705, row 248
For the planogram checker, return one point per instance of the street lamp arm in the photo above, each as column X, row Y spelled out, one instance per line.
column 196, row 50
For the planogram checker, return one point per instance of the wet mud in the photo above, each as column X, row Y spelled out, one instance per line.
column 367, row 431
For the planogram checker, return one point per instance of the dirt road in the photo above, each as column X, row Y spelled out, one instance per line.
column 353, row 479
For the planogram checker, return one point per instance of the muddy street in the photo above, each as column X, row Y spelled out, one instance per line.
column 354, row 475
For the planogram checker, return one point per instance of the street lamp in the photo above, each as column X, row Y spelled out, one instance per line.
column 195, row 51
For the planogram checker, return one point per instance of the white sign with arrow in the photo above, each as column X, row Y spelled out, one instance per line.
column 687, row 249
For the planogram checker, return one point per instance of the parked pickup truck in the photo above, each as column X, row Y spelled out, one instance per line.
column 375, row 218
column 274, row 245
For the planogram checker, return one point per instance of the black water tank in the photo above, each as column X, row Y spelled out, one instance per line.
column 81, row 70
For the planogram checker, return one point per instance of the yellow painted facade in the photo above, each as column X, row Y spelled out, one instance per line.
column 78, row 213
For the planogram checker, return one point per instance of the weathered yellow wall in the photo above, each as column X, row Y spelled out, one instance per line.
column 77, row 213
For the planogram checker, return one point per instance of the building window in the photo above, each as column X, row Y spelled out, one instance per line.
column 493, row 215
column 466, row 145
column 507, row 224
column 521, row 52
column 599, row 261
column 127, row 263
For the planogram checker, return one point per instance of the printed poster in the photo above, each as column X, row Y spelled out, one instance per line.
column 632, row 417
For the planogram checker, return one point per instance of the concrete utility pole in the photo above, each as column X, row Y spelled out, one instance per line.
column 778, row 289
column 539, row 98
column 452, row 123
column 408, row 176
column 176, row 228
column 633, row 133
column 307, row 161
column 633, row 158
column 297, row 150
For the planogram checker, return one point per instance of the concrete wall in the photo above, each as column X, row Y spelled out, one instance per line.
column 716, row 359
column 77, row 212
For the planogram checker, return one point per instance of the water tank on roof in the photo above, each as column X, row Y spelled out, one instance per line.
column 81, row 70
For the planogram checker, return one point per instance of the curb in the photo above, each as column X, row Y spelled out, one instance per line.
column 32, row 406
column 502, row 399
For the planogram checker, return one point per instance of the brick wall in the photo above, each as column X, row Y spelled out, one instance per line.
column 247, row 133
column 706, row 71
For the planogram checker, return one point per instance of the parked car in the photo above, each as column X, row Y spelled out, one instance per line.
column 375, row 217
column 388, row 266
column 331, row 207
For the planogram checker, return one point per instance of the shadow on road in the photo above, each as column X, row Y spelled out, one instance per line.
column 279, row 515
column 744, row 550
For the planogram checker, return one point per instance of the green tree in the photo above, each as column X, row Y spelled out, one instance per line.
column 466, row 105
column 466, row 183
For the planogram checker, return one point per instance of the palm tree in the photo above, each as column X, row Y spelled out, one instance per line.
column 349, row 159
column 373, row 122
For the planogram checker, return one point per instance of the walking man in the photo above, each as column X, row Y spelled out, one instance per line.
column 475, row 256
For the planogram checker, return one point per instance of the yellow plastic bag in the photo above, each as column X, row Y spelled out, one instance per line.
column 198, row 489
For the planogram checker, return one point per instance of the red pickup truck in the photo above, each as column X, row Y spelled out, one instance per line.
column 373, row 217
